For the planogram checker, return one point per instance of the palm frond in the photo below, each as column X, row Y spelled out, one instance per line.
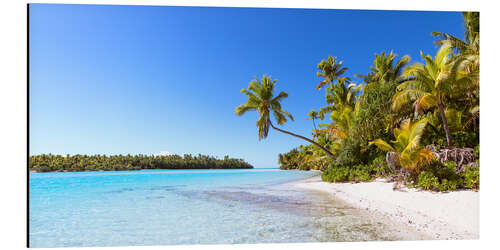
column 382, row 145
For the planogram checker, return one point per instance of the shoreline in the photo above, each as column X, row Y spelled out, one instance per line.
column 442, row 216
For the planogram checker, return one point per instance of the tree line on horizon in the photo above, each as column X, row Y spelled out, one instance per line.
column 78, row 163
column 397, row 121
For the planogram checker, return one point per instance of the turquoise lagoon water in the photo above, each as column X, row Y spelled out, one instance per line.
column 165, row 207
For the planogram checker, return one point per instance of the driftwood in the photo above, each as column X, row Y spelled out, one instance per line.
column 461, row 156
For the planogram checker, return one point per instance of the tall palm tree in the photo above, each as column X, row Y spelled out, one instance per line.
column 330, row 69
column 428, row 85
column 467, row 58
column 261, row 98
column 340, row 95
column 312, row 115
column 385, row 68
column 471, row 34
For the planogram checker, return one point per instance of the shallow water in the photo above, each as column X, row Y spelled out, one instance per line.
column 165, row 207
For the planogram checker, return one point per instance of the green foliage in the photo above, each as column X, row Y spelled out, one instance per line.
column 329, row 69
column 380, row 167
column 465, row 139
column 304, row 158
column 445, row 177
column 406, row 145
column 400, row 108
column 260, row 94
column 335, row 174
column 427, row 180
column 356, row 173
column 372, row 118
column 48, row 163
column 349, row 153
column 471, row 177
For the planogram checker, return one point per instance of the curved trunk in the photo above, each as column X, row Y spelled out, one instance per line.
column 303, row 138
column 445, row 123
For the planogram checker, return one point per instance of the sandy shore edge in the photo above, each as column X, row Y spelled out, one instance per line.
column 452, row 215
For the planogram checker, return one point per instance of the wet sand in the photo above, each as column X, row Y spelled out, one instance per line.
column 452, row 215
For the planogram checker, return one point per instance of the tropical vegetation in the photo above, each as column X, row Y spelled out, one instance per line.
column 73, row 163
column 417, row 123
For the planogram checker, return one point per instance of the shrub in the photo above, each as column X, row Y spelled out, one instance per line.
column 471, row 177
column 463, row 139
column 349, row 153
column 444, row 177
column 380, row 167
column 427, row 181
column 448, row 185
column 337, row 173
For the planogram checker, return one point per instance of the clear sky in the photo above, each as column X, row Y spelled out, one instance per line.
column 145, row 79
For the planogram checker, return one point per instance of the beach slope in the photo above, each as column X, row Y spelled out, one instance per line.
column 452, row 215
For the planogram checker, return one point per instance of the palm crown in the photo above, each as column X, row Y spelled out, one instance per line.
column 330, row 70
column 428, row 85
column 261, row 98
column 430, row 82
column 340, row 95
column 384, row 69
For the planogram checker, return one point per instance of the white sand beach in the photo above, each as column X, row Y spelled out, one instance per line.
column 452, row 215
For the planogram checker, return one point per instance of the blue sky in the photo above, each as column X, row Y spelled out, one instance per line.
column 144, row 79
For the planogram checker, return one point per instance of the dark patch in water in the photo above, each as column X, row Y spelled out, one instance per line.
column 155, row 197
column 167, row 188
column 283, row 203
column 120, row 190
column 161, row 188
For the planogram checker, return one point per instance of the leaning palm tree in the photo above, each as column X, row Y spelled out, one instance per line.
column 261, row 98
column 428, row 85
column 330, row 69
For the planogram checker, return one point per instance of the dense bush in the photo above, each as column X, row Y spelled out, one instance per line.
column 357, row 173
column 48, row 163
column 380, row 167
column 349, row 153
column 471, row 177
column 304, row 158
column 464, row 139
column 444, row 177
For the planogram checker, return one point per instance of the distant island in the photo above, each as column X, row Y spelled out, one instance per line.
column 80, row 163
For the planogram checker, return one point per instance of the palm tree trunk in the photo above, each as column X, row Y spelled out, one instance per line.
column 473, row 121
column 314, row 123
column 303, row 138
column 445, row 123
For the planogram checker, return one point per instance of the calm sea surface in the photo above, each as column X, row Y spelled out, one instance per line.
column 165, row 207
